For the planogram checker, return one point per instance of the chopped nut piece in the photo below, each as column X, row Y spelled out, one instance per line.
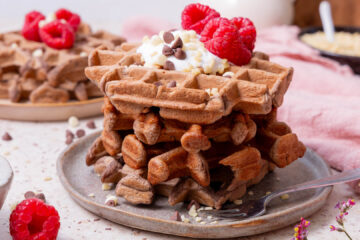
column 192, row 212
column 198, row 219
column 228, row 74
column 73, row 121
column 107, row 186
column 48, row 179
column 214, row 222
column 251, row 193
column 91, row 195
column 285, row 196
column 184, row 219
column 238, row 202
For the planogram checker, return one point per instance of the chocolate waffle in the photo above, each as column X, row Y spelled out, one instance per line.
column 33, row 71
column 188, row 135
column 184, row 96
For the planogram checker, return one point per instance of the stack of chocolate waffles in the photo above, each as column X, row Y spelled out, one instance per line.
column 188, row 137
column 33, row 71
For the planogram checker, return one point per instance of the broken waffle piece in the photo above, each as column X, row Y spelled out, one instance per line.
column 134, row 152
column 194, row 140
column 47, row 94
column 135, row 189
column 147, row 128
column 111, row 141
column 95, row 152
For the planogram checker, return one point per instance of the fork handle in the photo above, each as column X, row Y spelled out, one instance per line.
column 343, row 177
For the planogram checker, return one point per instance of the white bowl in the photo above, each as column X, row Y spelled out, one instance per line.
column 6, row 175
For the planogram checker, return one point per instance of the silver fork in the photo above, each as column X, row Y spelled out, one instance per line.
column 254, row 208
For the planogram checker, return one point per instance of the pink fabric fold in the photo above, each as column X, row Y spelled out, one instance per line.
column 322, row 105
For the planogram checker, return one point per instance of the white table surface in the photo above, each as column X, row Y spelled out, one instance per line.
column 36, row 146
column 33, row 153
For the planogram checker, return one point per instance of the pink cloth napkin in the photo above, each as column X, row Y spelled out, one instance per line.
column 322, row 105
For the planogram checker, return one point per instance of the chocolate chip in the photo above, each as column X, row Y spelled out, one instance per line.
column 80, row 133
column 171, row 84
column 168, row 37
column 167, row 51
column 69, row 140
column 6, row 137
column 175, row 216
column 177, row 44
column 193, row 202
column 41, row 196
column 180, row 54
column 68, row 133
column 111, row 203
column 158, row 83
column 169, row 65
column 29, row 194
column 91, row 124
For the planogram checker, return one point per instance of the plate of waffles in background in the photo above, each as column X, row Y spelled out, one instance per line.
column 42, row 68
column 190, row 119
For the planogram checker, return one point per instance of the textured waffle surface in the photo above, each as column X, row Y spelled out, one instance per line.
column 184, row 96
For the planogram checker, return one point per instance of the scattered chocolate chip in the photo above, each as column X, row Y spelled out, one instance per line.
column 6, row 137
column 68, row 133
column 177, row 44
column 158, row 83
column 96, row 219
column 108, row 229
column 91, row 124
column 167, row 51
column 41, row 196
column 180, row 54
column 29, row 194
column 80, row 133
column 168, row 37
column 193, row 202
column 111, row 203
column 69, row 140
column 171, row 84
column 169, row 65
column 176, row 216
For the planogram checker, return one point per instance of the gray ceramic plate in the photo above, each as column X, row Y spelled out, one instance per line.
column 80, row 181
column 6, row 175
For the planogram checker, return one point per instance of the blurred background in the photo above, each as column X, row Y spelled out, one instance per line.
column 121, row 16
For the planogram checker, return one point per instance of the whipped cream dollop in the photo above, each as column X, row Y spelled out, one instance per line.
column 195, row 57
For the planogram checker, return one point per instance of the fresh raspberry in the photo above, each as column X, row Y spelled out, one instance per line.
column 247, row 31
column 221, row 37
column 57, row 35
column 32, row 219
column 195, row 16
column 72, row 18
column 30, row 29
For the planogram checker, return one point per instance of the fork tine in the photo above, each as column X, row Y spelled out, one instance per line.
column 228, row 215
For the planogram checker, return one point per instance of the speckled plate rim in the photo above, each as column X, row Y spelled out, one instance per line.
column 308, row 207
column 49, row 111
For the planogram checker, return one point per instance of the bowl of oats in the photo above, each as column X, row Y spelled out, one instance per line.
column 345, row 48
